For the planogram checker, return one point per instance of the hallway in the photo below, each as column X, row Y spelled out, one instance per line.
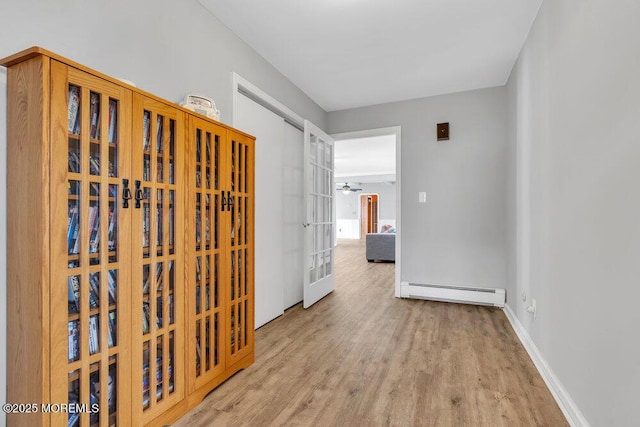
column 363, row 357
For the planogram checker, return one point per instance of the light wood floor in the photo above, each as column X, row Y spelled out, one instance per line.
column 361, row 357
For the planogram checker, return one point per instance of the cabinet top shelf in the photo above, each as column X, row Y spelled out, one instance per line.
column 35, row 51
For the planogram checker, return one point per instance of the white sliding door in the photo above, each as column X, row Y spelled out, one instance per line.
column 268, row 128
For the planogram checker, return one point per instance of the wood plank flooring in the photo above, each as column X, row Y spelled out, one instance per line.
column 361, row 357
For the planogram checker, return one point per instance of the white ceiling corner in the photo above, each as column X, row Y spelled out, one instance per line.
column 351, row 53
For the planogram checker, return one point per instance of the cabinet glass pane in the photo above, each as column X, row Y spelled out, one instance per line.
column 171, row 220
column 74, row 223
column 198, row 225
column 112, row 235
column 198, row 158
column 94, row 223
column 160, row 130
column 146, row 146
column 146, row 221
column 216, row 160
column 74, row 397
column 159, row 221
column 207, row 162
column 74, row 340
column 74, row 109
column 159, row 369
column 113, row 127
column 146, row 377
column 172, row 125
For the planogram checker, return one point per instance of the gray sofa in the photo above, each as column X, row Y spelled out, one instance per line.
column 381, row 247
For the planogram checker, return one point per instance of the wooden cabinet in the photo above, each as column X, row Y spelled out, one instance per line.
column 130, row 249
column 220, row 303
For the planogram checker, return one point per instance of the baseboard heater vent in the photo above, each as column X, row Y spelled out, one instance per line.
column 461, row 294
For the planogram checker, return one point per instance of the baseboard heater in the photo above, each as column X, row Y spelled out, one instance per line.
column 460, row 294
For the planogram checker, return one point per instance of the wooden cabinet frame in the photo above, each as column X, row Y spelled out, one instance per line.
column 148, row 369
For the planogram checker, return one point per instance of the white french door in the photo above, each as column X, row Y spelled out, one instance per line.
column 319, row 209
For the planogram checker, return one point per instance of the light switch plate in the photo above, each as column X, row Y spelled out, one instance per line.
column 422, row 197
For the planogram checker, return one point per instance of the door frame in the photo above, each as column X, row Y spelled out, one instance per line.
column 242, row 86
column 360, row 210
column 392, row 130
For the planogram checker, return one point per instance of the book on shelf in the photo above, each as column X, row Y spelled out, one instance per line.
column 94, row 165
column 159, row 134
column 94, row 291
column 198, row 148
column 171, row 309
column 113, row 120
column 145, row 317
column 111, row 275
column 160, row 375
column 146, row 226
column 74, row 417
column 94, row 115
column 159, row 222
column 160, row 277
column 197, row 225
column 74, row 162
column 146, row 170
column 94, row 227
column 97, row 389
column 73, row 285
column 112, row 329
column 159, row 313
column 74, row 340
column 146, row 130
column 73, row 228
column 198, row 353
column 94, row 342
column 74, row 110
column 160, row 168
column 112, row 230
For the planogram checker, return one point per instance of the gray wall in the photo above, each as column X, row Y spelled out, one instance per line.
column 347, row 204
column 575, row 126
column 166, row 47
column 459, row 235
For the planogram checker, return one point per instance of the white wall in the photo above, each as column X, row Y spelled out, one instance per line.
column 347, row 205
column 459, row 235
column 166, row 47
column 575, row 92
column 348, row 208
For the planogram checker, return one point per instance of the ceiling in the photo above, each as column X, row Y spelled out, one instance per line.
column 351, row 53
column 365, row 160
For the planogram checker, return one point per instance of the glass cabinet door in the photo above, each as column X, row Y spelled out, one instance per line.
column 208, row 201
column 239, row 230
column 157, row 187
column 88, row 150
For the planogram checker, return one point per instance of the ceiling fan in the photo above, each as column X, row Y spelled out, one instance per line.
column 346, row 188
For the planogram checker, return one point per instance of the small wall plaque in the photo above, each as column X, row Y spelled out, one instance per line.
column 443, row 131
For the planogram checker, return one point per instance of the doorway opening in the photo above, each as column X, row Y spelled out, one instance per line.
column 367, row 178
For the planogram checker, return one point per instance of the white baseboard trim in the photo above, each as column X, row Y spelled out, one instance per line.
column 563, row 399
